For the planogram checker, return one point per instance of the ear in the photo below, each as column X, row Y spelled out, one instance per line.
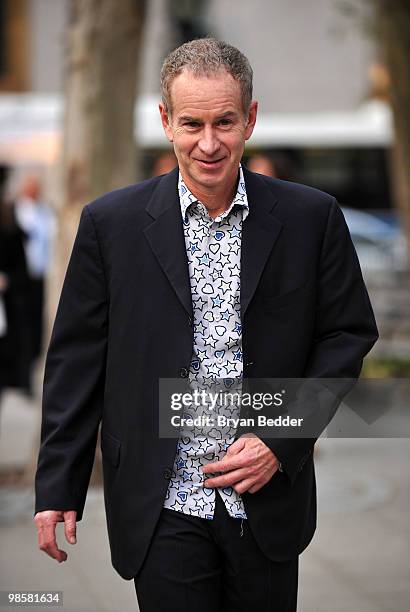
column 251, row 119
column 166, row 122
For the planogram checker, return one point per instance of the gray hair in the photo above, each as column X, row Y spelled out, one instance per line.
column 206, row 57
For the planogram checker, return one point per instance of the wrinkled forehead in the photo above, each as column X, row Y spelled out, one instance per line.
column 208, row 91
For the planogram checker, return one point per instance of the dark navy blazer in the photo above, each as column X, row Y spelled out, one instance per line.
column 125, row 320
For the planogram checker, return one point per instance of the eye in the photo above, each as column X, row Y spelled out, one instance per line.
column 224, row 122
column 191, row 124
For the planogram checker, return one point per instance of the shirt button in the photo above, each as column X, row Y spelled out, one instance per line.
column 220, row 360
column 183, row 373
column 218, row 317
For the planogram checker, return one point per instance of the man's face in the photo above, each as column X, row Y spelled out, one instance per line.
column 208, row 128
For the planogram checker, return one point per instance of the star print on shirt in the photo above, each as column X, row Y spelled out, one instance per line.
column 204, row 444
column 200, row 503
column 217, row 301
column 225, row 285
column 199, row 234
column 181, row 463
column 188, row 452
column 193, row 247
column 213, row 253
column 234, row 248
column 234, row 270
column 177, row 506
column 204, row 260
column 199, row 328
column 235, row 232
column 223, row 446
column 223, row 259
column 202, row 355
column 213, row 369
column 186, row 475
column 197, row 274
column 233, row 300
column 226, row 315
column 238, row 355
column 196, row 462
column 211, row 341
column 199, row 302
column 216, row 274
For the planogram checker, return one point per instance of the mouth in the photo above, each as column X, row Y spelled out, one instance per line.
column 210, row 164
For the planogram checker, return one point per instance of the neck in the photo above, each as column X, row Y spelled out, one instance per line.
column 217, row 200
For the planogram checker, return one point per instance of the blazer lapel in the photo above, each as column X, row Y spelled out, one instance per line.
column 260, row 232
column 166, row 236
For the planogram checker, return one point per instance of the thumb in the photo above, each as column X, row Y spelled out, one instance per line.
column 70, row 526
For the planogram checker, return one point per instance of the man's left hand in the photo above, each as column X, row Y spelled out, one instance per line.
column 247, row 466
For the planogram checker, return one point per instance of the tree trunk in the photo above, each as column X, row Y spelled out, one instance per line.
column 99, row 154
column 393, row 33
column 98, row 150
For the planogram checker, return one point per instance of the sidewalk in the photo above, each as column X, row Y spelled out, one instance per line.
column 358, row 561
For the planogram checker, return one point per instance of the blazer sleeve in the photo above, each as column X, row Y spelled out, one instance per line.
column 345, row 330
column 74, row 379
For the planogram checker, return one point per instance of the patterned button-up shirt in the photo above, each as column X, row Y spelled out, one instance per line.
column 214, row 250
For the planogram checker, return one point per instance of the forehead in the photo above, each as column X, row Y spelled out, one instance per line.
column 218, row 92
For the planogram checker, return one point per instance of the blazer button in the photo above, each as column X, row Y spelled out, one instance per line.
column 183, row 373
column 167, row 474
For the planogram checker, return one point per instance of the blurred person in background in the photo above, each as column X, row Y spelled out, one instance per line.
column 278, row 165
column 15, row 345
column 262, row 164
column 164, row 163
column 208, row 272
column 35, row 217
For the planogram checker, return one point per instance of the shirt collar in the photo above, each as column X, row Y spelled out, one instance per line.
column 186, row 198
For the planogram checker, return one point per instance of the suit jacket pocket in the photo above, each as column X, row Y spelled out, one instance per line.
column 286, row 299
column 110, row 449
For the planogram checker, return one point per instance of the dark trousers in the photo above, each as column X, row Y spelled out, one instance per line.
column 198, row 565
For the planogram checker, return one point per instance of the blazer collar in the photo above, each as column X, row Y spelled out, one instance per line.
column 260, row 232
column 165, row 235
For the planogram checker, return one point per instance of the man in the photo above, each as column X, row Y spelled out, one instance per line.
column 208, row 272
column 36, row 220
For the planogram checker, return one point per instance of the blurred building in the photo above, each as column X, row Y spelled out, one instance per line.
column 313, row 69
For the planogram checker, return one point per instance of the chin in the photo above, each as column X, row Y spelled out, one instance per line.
column 210, row 181
column 212, row 176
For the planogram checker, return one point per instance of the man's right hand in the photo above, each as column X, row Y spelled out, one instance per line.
column 46, row 530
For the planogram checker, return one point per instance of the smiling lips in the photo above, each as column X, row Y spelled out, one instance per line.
column 210, row 163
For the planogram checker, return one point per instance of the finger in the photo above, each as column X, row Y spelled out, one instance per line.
column 245, row 485
column 70, row 526
column 48, row 544
column 236, row 446
column 225, row 465
column 227, row 480
column 256, row 487
column 260, row 482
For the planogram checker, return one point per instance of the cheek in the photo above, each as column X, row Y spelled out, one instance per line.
column 234, row 141
column 183, row 142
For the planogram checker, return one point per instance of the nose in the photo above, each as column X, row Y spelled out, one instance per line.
column 209, row 143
